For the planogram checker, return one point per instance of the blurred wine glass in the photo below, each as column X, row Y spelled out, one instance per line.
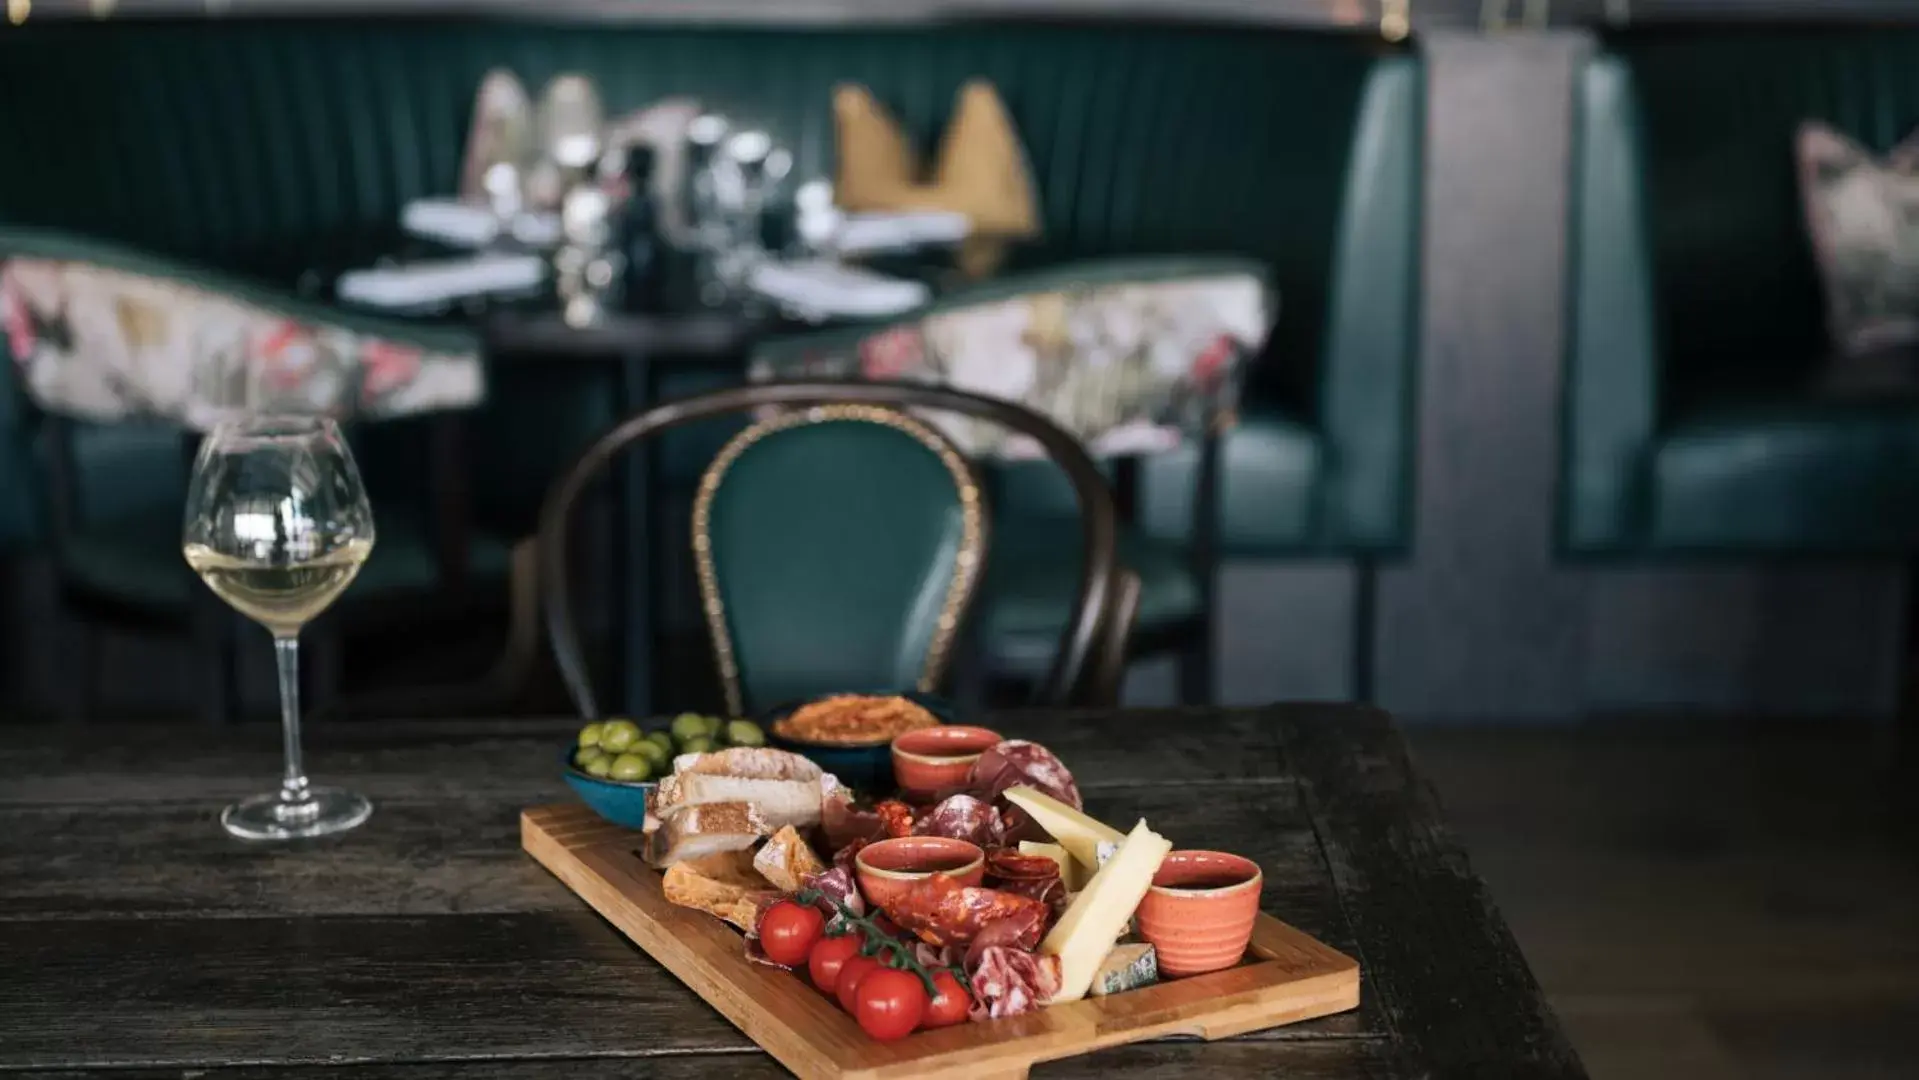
column 277, row 525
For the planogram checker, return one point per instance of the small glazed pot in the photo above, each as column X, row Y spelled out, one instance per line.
column 1199, row 913
column 939, row 758
column 889, row 869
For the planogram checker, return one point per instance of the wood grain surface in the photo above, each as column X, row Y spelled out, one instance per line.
column 134, row 935
column 1288, row 977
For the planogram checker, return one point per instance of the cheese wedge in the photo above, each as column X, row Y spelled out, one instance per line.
column 1078, row 834
column 1127, row 967
column 1071, row 874
column 1094, row 920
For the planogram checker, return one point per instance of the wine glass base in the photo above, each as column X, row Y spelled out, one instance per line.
column 268, row 817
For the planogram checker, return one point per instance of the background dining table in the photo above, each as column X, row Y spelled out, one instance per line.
column 136, row 935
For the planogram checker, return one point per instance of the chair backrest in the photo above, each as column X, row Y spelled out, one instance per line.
column 730, row 519
column 838, row 549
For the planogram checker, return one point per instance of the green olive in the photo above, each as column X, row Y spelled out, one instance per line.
column 699, row 745
column 745, row 733
column 631, row 767
column 662, row 739
column 590, row 735
column 586, row 754
column 617, row 735
column 689, row 726
column 656, row 755
column 714, row 725
column 600, row 766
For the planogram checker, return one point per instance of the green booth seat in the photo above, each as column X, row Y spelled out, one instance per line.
column 1700, row 417
column 281, row 146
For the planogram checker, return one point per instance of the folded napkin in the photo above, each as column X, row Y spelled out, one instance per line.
column 820, row 290
column 427, row 284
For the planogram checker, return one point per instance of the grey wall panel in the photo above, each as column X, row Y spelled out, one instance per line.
column 1484, row 621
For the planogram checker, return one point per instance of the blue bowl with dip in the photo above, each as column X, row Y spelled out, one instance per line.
column 622, row 802
column 866, row 767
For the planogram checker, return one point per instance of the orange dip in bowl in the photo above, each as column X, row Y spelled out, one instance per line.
column 853, row 720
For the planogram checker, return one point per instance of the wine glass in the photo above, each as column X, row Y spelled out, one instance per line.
column 277, row 525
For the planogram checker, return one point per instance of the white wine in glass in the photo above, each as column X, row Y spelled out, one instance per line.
column 277, row 525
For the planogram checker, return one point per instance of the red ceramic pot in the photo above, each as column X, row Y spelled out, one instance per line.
column 889, row 869
column 1199, row 913
column 940, row 758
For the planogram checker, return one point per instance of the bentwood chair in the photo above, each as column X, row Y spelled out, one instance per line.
column 839, row 541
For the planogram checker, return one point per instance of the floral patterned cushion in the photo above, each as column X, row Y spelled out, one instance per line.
column 1132, row 358
column 1863, row 214
column 108, row 342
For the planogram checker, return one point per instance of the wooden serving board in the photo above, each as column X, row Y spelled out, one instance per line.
column 1288, row 977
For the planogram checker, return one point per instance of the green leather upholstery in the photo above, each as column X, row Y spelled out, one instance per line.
column 834, row 545
column 1694, row 418
column 274, row 147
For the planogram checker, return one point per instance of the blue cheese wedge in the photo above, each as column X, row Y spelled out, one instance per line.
column 1127, row 967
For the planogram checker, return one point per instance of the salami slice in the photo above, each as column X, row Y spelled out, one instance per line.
column 1008, row 981
column 843, row 824
column 1016, row 762
column 941, row 911
column 963, row 817
column 837, row 884
column 1026, row 875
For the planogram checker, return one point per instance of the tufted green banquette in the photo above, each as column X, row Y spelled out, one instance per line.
column 1696, row 415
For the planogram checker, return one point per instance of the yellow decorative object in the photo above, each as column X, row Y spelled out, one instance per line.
column 981, row 171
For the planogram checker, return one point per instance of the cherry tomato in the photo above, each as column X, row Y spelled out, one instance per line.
column 889, row 1003
column 851, row 972
column 788, row 931
column 949, row 1002
column 827, row 956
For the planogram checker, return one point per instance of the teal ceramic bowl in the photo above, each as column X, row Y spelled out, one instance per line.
column 622, row 802
column 865, row 767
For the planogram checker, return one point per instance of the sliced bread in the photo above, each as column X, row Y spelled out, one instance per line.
column 689, row 832
column 723, row 884
column 784, row 787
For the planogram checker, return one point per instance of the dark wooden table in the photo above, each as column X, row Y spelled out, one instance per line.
column 135, row 934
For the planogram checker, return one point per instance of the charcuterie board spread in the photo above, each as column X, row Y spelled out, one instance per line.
column 975, row 924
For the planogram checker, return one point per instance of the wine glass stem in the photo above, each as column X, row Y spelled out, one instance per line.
column 294, row 795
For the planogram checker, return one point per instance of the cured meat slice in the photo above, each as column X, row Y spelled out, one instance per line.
column 843, row 824
column 837, row 885
column 1026, row 875
column 1016, row 762
column 941, row 911
column 963, row 817
column 1009, row 981
column 896, row 818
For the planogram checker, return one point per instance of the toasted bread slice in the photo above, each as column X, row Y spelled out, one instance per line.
column 710, row 828
column 787, row 861
column 784, row 787
column 723, row 884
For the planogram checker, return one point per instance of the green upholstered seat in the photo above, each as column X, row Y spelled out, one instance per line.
column 279, row 146
column 136, row 560
column 843, row 554
column 1696, row 420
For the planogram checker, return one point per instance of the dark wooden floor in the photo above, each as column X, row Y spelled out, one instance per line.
column 1699, row 904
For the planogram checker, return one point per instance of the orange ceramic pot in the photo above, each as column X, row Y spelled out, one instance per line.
column 1199, row 913
column 937, row 759
column 889, row 869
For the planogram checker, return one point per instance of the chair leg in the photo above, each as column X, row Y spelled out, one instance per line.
column 322, row 659
column 214, row 646
column 1365, row 600
column 77, row 697
column 1195, row 680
